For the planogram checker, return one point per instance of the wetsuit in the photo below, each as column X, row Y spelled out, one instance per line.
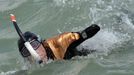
column 62, row 46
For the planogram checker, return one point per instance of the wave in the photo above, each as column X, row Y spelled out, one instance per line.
column 10, row 4
column 8, row 73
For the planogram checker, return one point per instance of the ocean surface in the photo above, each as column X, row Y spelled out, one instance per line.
column 114, row 44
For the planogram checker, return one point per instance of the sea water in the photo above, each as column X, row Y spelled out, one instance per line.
column 114, row 43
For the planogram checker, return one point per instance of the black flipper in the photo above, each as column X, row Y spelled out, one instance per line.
column 84, row 35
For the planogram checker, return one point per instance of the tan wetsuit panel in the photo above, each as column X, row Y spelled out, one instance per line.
column 60, row 43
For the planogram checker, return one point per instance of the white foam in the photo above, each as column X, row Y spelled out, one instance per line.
column 128, row 21
column 105, row 40
column 8, row 72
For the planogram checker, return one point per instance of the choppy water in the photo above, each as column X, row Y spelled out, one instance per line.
column 114, row 43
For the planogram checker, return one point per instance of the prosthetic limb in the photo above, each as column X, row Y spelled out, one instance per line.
column 84, row 35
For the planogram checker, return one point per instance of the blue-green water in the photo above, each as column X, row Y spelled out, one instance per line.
column 114, row 43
